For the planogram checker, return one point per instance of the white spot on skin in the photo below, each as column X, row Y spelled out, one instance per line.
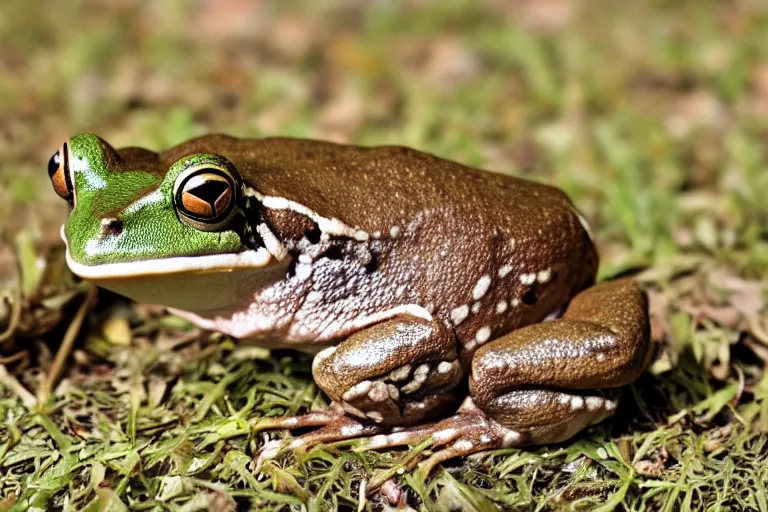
column 358, row 389
column 476, row 307
column 485, row 439
column 351, row 430
column 600, row 356
column 463, row 445
column 377, row 234
column 602, row 453
column 378, row 392
column 504, row 270
column 515, row 302
column 481, row 287
column 564, row 399
column 291, row 422
column 394, row 231
column 399, row 374
column 511, row 438
column 610, row 405
column 303, row 272
column 423, row 369
column 545, row 275
column 527, row 279
column 375, row 416
column 379, row 441
column 470, row 345
column 483, row 334
column 594, row 403
column 419, row 376
column 444, row 367
column 577, row 402
column 501, row 307
column 459, row 314
column 394, row 393
column 445, row 435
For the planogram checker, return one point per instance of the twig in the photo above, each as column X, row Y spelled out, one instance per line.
column 9, row 381
column 18, row 356
column 66, row 347
column 15, row 304
column 361, row 496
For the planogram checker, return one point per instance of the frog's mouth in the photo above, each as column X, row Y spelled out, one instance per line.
column 197, row 284
column 214, row 263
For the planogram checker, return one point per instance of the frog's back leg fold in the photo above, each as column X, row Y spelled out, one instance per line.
column 395, row 373
column 398, row 372
column 548, row 381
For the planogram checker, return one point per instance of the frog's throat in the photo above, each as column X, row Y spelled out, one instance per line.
column 250, row 259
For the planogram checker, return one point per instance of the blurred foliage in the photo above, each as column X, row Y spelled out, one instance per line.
column 652, row 115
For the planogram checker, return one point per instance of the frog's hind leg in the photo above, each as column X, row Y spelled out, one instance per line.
column 396, row 373
column 546, row 382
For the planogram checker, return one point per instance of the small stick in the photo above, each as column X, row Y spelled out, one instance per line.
column 14, row 302
column 9, row 381
column 66, row 347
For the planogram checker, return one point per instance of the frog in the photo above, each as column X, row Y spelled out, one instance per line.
column 440, row 302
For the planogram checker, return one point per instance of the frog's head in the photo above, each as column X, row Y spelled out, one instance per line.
column 169, row 232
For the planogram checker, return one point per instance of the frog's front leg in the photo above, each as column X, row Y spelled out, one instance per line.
column 396, row 373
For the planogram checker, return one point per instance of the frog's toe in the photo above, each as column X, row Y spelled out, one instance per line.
column 469, row 431
column 330, row 425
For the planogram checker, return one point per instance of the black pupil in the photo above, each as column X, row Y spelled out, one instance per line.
column 54, row 163
column 209, row 191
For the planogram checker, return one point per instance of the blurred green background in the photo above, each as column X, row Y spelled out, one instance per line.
column 626, row 105
column 652, row 115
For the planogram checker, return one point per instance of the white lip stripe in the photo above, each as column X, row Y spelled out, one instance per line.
column 222, row 262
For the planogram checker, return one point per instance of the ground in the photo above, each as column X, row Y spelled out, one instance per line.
column 652, row 115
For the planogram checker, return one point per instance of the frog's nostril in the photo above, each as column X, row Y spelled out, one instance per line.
column 111, row 227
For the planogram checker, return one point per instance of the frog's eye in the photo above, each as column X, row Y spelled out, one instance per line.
column 58, row 171
column 205, row 197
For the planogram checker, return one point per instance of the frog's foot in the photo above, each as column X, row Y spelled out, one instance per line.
column 468, row 431
column 471, row 430
column 330, row 425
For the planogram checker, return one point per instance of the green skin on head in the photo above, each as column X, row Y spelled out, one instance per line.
column 142, row 200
